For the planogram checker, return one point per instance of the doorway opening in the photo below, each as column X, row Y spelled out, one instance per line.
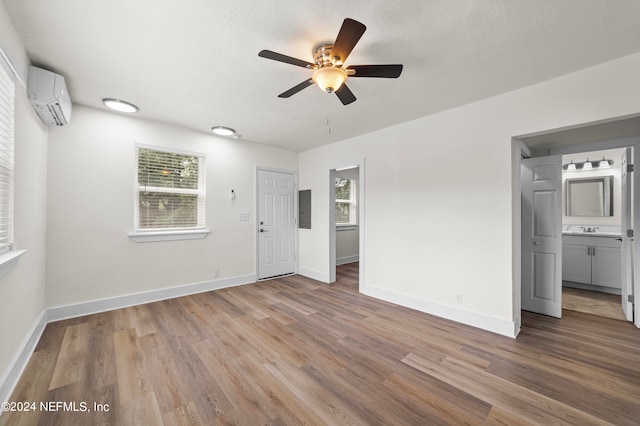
column 346, row 205
column 346, row 219
column 608, row 235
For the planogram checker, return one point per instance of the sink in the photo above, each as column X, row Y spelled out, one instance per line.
column 591, row 231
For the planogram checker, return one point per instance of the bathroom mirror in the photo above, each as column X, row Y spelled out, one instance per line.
column 592, row 196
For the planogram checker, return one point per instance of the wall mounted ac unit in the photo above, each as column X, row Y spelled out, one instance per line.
column 49, row 96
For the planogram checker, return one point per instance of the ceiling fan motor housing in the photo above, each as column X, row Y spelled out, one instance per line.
column 322, row 56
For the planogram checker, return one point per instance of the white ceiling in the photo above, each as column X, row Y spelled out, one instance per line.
column 195, row 62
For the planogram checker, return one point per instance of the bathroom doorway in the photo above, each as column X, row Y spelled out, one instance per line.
column 578, row 145
column 595, row 218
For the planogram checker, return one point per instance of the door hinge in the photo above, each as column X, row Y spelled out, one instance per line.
column 630, row 233
column 630, row 298
column 629, row 168
column 294, row 257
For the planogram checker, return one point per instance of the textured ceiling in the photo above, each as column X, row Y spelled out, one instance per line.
column 195, row 62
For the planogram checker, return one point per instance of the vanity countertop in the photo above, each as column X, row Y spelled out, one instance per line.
column 591, row 231
column 592, row 234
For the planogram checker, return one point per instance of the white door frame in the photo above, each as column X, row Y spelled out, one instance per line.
column 626, row 241
column 257, row 207
column 518, row 149
column 339, row 165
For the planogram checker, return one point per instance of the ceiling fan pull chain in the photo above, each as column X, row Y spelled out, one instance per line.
column 328, row 110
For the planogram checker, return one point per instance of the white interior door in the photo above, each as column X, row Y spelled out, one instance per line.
column 627, row 241
column 542, row 235
column 276, row 224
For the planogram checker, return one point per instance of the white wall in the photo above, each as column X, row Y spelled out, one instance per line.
column 22, row 288
column 439, row 196
column 91, row 178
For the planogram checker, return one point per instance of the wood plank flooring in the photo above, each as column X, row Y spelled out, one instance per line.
column 295, row 351
column 592, row 302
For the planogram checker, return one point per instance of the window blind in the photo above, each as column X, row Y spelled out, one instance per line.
column 7, row 117
column 170, row 190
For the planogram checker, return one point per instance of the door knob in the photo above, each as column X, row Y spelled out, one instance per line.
column 536, row 243
column 262, row 230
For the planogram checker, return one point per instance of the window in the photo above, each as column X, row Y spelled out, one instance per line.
column 7, row 106
column 345, row 202
column 170, row 193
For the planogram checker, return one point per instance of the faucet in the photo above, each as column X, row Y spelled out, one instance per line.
column 589, row 228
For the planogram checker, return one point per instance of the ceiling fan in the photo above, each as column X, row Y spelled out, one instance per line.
column 329, row 58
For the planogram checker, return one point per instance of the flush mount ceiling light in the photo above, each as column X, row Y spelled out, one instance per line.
column 119, row 105
column 223, row 131
column 588, row 165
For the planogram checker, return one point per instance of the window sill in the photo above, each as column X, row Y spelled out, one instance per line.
column 9, row 259
column 149, row 237
column 346, row 227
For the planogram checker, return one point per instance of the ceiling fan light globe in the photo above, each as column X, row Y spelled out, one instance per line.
column 329, row 79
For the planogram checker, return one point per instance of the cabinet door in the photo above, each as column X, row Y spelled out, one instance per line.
column 576, row 264
column 606, row 267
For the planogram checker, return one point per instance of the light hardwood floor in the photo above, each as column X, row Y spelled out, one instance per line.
column 592, row 302
column 295, row 351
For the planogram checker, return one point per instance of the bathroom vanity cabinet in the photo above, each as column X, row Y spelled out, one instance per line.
column 596, row 261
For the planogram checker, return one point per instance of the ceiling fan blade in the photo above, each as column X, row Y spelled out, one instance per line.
column 296, row 89
column 284, row 58
column 383, row 71
column 349, row 34
column 345, row 95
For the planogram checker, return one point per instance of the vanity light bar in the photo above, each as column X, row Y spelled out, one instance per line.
column 588, row 165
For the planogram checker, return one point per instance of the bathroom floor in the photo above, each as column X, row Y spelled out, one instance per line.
column 592, row 302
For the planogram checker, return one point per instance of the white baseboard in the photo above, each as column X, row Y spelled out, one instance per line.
column 314, row 275
column 11, row 376
column 474, row 319
column 92, row 307
column 347, row 259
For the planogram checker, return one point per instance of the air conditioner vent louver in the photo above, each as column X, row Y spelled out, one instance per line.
column 56, row 114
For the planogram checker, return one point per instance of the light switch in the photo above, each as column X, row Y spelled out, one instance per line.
column 244, row 216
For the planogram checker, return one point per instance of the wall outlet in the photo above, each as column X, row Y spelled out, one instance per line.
column 458, row 297
column 216, row 273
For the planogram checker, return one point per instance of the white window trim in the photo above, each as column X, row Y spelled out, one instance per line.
column 353, row 211
column 152, row 236
column 9, row 259
column 169, row 234
column 7, row 146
